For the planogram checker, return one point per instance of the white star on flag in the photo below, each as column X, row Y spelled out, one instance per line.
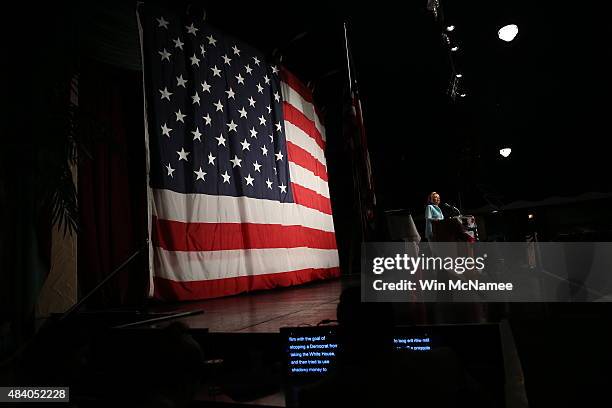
column 232, row 126
column 170, row 170
column 166, row 130
column 165, row 94
column 236, row 161
column 200, row 174
column 220, row 140
column 180, row 81
column 183, row 154
column 165, row 55
column 196, row 134
column 162, row 23
column 191, row 29
column 180, row 116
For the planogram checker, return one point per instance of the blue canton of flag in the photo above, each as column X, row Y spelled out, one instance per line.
column 215, row 120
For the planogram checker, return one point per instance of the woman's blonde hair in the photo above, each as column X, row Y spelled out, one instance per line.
column 430, row 197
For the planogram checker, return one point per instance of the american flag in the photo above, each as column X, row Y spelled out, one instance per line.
column 239, row 194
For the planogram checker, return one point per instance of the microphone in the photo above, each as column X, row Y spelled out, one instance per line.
column 452, row 208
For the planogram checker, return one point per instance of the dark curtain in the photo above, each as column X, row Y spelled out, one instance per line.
column 112, row 185
column 32, row 88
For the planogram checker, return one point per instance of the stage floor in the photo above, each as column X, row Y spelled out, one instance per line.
column 266, row 311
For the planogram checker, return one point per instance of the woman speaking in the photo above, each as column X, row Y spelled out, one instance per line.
column 432, row 213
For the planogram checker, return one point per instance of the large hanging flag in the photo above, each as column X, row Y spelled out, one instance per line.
column 239, row 194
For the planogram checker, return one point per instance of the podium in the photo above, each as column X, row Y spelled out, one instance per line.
column 459, row 229
column 455, row 229
column 462, row 231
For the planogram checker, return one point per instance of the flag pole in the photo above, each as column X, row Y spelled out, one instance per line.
column 348, row 59
column 356, row 181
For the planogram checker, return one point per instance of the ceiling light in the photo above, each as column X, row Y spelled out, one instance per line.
column 508, row 32
column 505, row 152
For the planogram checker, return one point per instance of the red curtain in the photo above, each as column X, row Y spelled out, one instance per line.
column 112, row 184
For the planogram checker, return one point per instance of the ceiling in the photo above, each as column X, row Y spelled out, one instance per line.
column 544, row 94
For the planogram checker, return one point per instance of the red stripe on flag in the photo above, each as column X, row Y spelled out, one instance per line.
column 297, row 85
column 306, row 160
column 311, row 199
column 295, row 116
column 166, row 289
column 199, row 236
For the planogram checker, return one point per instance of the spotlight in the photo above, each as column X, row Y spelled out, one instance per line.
column 458, row 75
column 530, row 216
column 462, row 95
column 505, row 152
column 508, row 32
column 455, row 48
column 450, row 28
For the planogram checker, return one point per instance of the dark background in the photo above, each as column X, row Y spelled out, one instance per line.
column 545, row 94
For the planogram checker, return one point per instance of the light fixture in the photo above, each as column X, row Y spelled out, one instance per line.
column 505, row 152
column 530, row 216
column 455, row 48
column 462, row 95
column 508, row 32
column 450, row 28
column 458, row 75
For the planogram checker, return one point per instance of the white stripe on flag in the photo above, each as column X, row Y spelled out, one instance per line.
column 198, row 266
column 308, row 179
column 307, row 108
column 299, row 138
column 170, row 205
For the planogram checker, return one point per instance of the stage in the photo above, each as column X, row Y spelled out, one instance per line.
column 265, row 311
